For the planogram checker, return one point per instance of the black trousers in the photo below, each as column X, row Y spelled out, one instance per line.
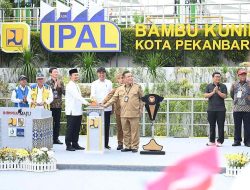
column 219, row 118
column 56, row 114
column 238, row 118
column 73, row 129
column 106, row 126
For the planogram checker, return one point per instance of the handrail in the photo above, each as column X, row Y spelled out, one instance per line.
column 169, row 114
column 158, row 13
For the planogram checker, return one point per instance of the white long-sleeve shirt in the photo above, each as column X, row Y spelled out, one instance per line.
column 73, row 99
column 100, row 89
column 13, row 95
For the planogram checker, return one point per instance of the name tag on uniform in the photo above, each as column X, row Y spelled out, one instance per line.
column 55, row 94
column 239, row 94
column 125, row 98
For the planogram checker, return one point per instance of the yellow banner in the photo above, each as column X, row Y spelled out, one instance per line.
column 79, row 37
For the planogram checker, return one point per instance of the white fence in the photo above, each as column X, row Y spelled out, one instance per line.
column 124, row 15
column 28, row 166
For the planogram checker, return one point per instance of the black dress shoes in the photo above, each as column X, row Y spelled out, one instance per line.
column 134, row 150
column 77, row 147
column 126, row 150
column 57, row 142
column 247, row 144
column 70, row 148
column 236, row 144
column 119, row 147
column 108, row 147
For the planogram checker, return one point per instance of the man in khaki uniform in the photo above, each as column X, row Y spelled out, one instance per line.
column 117, row 111
column 129, row 95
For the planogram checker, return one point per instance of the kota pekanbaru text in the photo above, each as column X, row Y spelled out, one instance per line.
column 181, row 30
column 193, row 45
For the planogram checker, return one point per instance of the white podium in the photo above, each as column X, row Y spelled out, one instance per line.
column 95, row 129
column 25, row 128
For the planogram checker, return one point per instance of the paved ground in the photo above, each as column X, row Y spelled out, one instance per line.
column 88, row 180
column 114, row 170
column 176, row 148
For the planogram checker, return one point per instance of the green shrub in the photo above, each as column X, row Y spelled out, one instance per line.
column 171, row 57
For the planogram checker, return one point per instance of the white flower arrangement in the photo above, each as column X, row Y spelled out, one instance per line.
column 42, row 155
column 235, row 163
column 20, row 159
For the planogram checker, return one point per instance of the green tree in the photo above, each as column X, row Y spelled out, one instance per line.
column 86, row 61
column 152, row 62
column 138, row 18
column 27, row 64
column 6, row 5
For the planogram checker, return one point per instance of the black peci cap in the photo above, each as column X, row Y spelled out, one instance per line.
column 71, row 71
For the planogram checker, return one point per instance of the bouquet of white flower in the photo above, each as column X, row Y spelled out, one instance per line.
column 42, row 155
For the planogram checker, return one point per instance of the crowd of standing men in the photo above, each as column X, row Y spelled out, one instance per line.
column 127, row 106
column 126, row 98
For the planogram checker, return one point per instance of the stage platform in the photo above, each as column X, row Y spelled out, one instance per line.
column 176, row 148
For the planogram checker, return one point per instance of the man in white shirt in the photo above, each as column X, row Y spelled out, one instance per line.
column 99, row 90
column 73, row 110
column 41, row 94
column 20, row 93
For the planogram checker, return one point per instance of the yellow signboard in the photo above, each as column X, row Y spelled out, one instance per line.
column 15, row 37
column 80, row 36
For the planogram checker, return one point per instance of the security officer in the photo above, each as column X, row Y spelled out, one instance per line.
column 20, row 93
column 216, row 92
column 129, row 95
column 117, row 111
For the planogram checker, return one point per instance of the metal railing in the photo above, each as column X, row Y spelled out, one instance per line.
column 29, row 15
column 219, row 13
column 124, row 16
column 168, row 114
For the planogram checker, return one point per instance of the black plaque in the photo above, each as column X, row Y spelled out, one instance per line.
column 152, row 104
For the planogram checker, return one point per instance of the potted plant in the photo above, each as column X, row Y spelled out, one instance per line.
column 41, row 160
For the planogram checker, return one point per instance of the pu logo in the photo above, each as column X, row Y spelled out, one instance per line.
column 77, row 29
column 15, row 37
column 94, row 122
